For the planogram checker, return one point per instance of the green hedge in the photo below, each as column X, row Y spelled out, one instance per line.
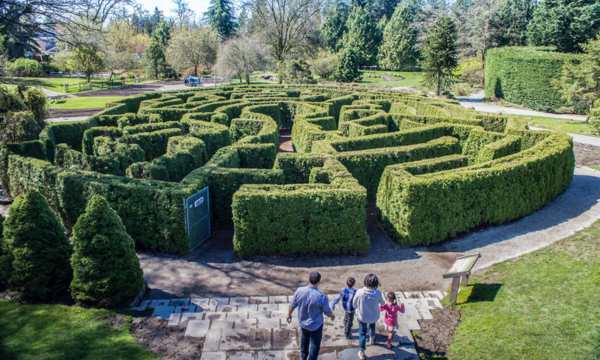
column 324, row 219
column 426, row 209
column 153, row 143
column 525, row 76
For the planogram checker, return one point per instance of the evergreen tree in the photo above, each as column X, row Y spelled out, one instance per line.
column 509, row 23
column 334, row 27
column 106, row 270
column 363, row 36
column 4, row 258
column 155, row 53
column 440, row 55
column 399, row 48
column 348, row 67
column 35, row 249
column 221, row 18
column 566, row 24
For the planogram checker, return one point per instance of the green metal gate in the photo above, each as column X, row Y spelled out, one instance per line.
column 197, row 217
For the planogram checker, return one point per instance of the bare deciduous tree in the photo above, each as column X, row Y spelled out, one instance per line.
column 240, row 57
column 193, row 48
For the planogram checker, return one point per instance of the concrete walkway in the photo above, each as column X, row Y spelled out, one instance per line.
column 256, row 328
column 215, row 271
column 476, row 102
column 581, row 139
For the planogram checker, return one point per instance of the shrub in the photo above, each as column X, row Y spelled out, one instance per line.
column 324, row 65
column 106, row 270
column 470, row 71
column 18, row 126
column 37, row 248
column 594, row 118
column 525, row 76
column 24, row 67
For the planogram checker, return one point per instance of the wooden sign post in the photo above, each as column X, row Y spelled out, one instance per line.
column 459, row 273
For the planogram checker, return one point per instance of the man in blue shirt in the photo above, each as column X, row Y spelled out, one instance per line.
column 311, row 304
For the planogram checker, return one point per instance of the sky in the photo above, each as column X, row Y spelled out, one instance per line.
column 166, row 6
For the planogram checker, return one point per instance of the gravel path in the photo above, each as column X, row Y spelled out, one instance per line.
column 214, row 270
column 476, row 102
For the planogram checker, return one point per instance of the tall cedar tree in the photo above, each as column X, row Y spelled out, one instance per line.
column 509, row 23
column 155, row 53
column 106, row 270
column 220, row 15
column 440, row 55
column 334, row 27
column 566, row 24
column 399, row 48
column 35, row 250
column 363, row 35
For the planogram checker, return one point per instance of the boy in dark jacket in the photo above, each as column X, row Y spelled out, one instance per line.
column 346, row 296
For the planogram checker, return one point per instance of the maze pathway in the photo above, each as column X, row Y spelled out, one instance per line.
column 255, row 327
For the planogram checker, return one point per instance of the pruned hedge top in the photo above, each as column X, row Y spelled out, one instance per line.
column 147, row 153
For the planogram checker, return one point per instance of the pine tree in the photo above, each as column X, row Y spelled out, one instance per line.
column 440, row 55
column 363, row 36
column 399, row 48
column 334, row 27
column 35, row 249
column 348, row 67
column 221, row 18
column 509, row 23
column 566, row 24
column 155, row 53
column 106, row 270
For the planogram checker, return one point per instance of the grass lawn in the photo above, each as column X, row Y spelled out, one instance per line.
column 558, row 125
column 83, row 102
column 390, row 79
column 63, row 332
column 57, row 84
column 545, row 305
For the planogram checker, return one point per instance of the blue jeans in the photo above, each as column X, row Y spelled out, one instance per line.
column 310, row 343
column 363, row 328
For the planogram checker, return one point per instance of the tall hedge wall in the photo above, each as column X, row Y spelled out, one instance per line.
column 525, row 76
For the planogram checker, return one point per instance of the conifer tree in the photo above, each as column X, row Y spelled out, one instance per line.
column 399, row 48
column 363, row 36
column 440, row 55
column 221, row 18
column 106, row 270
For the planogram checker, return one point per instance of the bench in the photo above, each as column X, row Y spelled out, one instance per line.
column 460, row 272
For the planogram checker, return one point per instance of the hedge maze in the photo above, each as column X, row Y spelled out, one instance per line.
column 432, row 169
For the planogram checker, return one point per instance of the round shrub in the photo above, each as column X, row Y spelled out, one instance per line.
column 36, row 249
column 526, row 76
column 18, row 126
column 24, row 67
column 106, row 270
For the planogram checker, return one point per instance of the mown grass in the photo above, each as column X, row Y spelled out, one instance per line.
column 558, row 125
column 57, row 84
column 545, row 305
column 391, row 79
column 83, row 102
column 49, row 332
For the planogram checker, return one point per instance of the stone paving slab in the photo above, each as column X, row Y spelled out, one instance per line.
column 255, row 327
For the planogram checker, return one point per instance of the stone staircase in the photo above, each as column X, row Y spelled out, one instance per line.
column 256, row 327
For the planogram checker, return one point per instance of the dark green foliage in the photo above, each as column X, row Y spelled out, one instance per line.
column 398, row 50
column 106, row 270
column 565, row 24
column 334, row 27
column 90, row 134
column 154, row 144
column 440, row 55
column 509, row 23
column 431, row 208
column 221, row 18
column 155, row 57
column 18, row 126
column 265, row 224
column 594, row 118
column 68, row 158
column 525, row 76
column 36, row 249
column 363, row 36
column 349, row 66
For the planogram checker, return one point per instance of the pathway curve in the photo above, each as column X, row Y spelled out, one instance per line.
column 215, row 271
column 476, row 102
column 254, row 327
column 578, row 138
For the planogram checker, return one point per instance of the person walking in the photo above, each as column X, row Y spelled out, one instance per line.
column 311, row 304
column 367, row 301
column 346, row 296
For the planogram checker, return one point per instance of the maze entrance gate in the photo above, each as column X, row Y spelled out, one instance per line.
column 197, row 217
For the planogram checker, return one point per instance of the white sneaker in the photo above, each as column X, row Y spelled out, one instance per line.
column 361, row 355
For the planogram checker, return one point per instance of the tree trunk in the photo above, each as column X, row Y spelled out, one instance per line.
column 439, row 85
column 88, row 77
column 248, row 78
column 196, row 70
